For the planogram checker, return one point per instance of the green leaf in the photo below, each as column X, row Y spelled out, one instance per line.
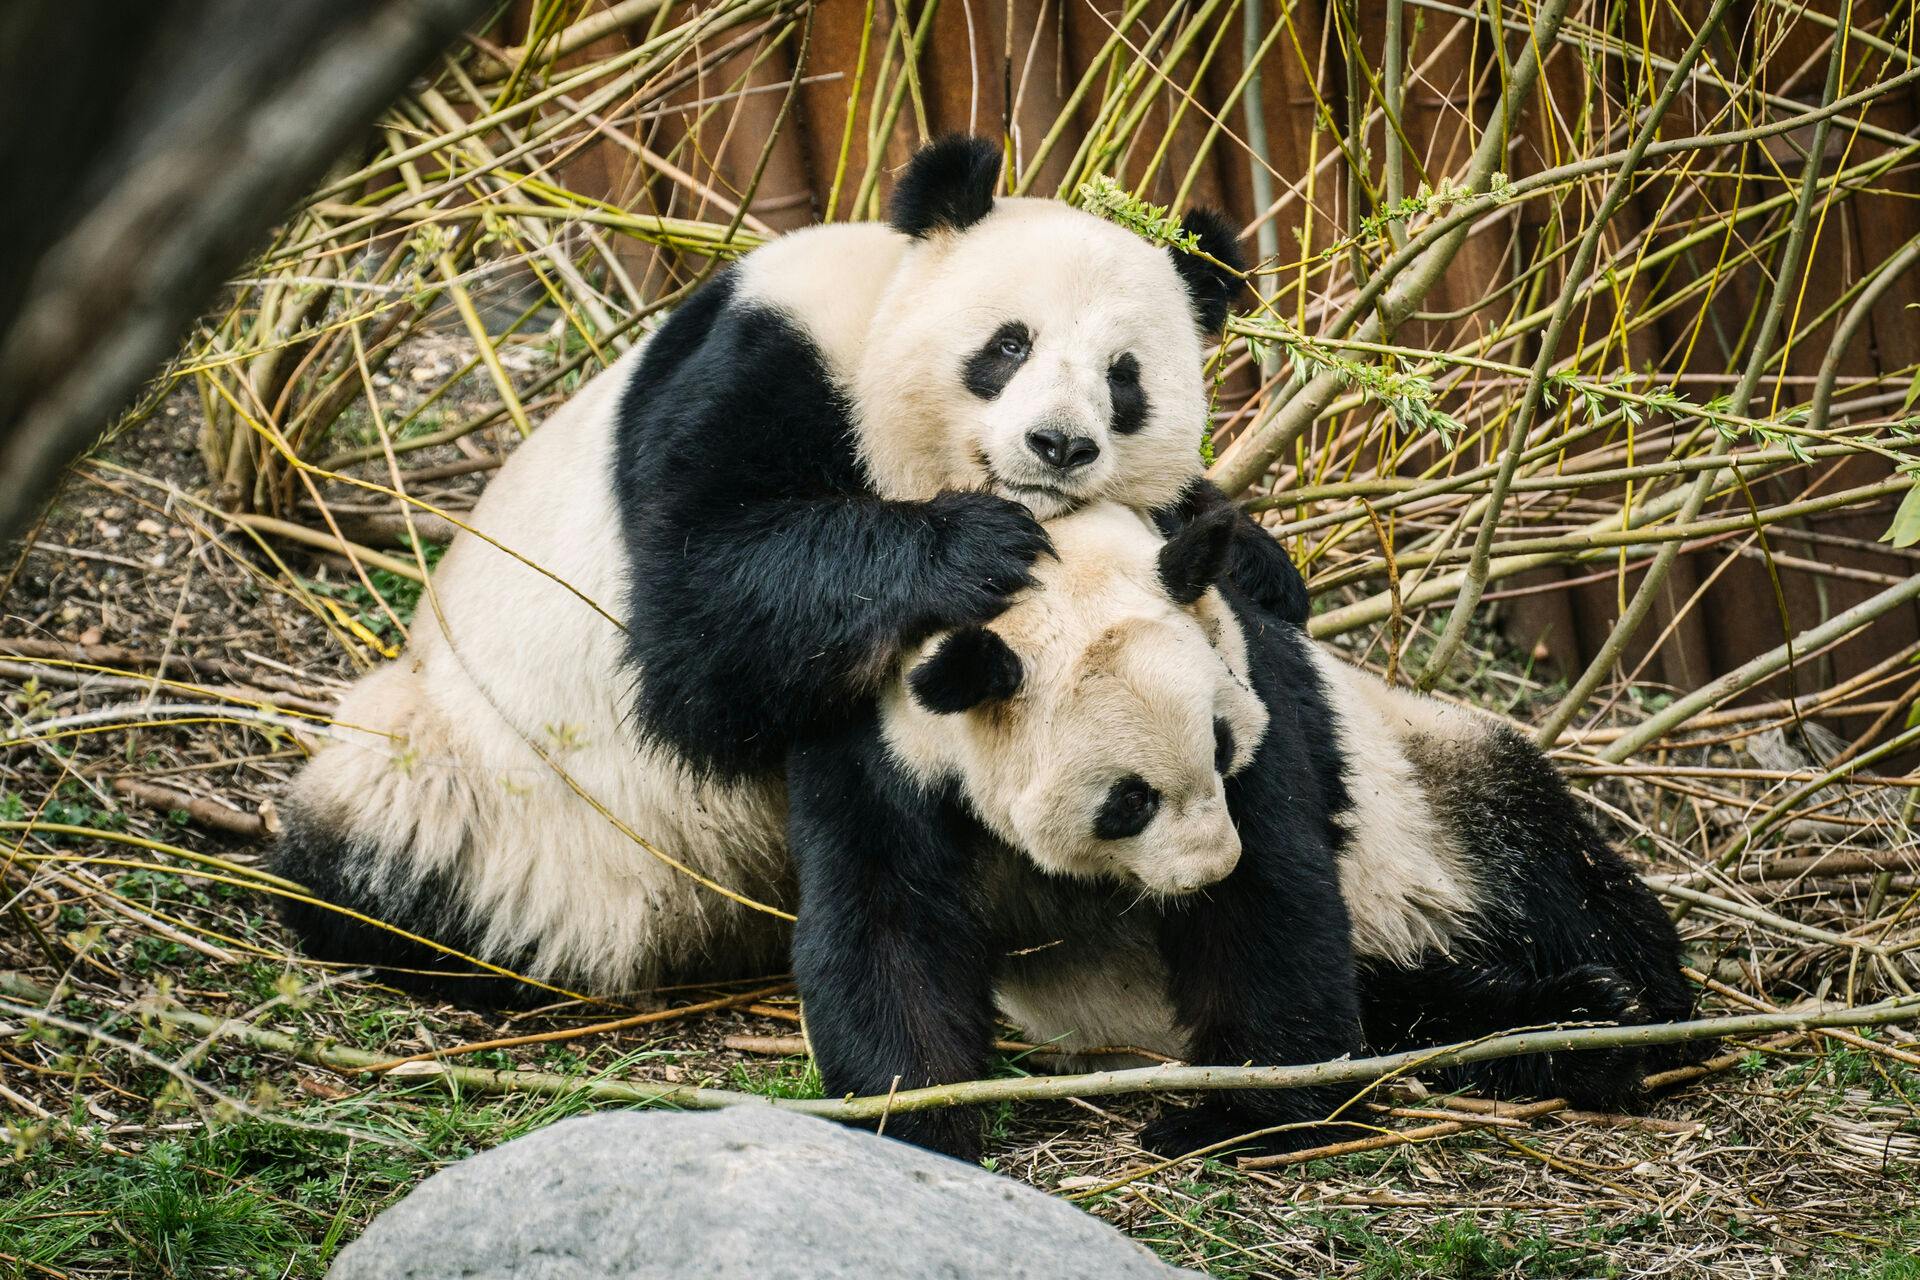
column 1905, row 529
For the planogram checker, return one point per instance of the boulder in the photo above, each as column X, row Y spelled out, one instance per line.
column 748, row 1193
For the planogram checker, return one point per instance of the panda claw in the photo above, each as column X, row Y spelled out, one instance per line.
column 1598, row 993
column 1599, row 1079
column 986, row 551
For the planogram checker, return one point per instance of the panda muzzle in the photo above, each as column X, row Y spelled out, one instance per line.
column 1208, row 857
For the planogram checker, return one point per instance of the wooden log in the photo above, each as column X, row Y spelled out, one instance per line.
column 148, row 148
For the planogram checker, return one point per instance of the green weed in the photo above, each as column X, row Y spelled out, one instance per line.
column 790, row 1078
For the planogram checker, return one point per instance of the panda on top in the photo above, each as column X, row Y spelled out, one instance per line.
column 1142, row 813
column 832, row 449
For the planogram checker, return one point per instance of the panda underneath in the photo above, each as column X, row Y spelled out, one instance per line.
column 831, row 449
column 1054, row 831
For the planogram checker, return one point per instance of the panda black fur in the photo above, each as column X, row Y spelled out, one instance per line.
column 1484, row 899
column 758, row 495
column 1479, row 897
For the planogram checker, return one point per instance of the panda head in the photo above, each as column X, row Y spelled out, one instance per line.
column 1093, row 725
column 1036, row 350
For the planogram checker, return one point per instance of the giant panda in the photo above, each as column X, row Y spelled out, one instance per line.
column 1039, row 815
column 1106, row 807
column 833, row 447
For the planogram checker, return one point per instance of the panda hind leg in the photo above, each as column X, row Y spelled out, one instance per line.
column 1444, row 1001
column 356, row 917
column 1262, row 970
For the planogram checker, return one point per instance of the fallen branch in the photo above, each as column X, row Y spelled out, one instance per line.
column 392, row 526
column 1162, row 1079
column 575, row 1033
column 91, row 681
column 162, row 713
column 1494, row 1112
column 768, row 1046
column 202, row 810
column 796, row 1046
column 114, row 656
column 1406, row 1137
column 1889, row 1051
column 1814, row 865
column 1762, row 917
column 327, row 542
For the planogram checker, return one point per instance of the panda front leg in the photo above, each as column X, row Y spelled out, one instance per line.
column 890, row 951
column 758, row 620
column 1261, row 971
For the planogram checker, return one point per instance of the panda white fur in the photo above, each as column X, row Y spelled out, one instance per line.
column 1477, row 897
column 814, row 461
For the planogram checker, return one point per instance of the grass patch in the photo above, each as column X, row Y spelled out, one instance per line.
column 401, row 594
column 789, row 1078
column 1459, row 1250
column 166, row 1211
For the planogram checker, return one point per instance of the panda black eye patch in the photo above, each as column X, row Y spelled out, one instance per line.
column 1222, row 746
column 1129, row 807
column 1129, row 399
column 988, row 370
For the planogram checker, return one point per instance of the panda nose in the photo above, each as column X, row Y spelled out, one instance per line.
column 1061, row 451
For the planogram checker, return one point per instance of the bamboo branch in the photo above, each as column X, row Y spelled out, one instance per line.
column 1754, row 670
column 1249, row 456
column 1159, row 1079
column 1786, row 281
column 595, row 26
column 1474, row 583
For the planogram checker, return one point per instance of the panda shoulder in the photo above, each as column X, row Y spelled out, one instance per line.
column 826, row 279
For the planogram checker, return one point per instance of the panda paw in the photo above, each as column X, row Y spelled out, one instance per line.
column 1594, row 993
column 1188, row 1129
column 1599, row 1079
column 954, row 1132
column 984, row 551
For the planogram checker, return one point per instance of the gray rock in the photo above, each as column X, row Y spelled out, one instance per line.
column 749, row 1193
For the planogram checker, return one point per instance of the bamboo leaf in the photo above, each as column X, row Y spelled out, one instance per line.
column 1905, row 529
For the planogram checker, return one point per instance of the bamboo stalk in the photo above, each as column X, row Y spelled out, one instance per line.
column 1474, row 582
column 1249, row 456
column 1786, row 280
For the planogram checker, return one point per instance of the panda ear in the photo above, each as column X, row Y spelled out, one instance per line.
column 947, row 186
column 1211, row 289
column 972, row 666
column 1194, row 558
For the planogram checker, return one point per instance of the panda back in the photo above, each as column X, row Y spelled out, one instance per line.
column 1410, row 888
column 440, row 804
column 545, row 578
